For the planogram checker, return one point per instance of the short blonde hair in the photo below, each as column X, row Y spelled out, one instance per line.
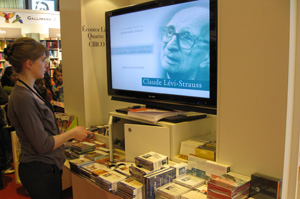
column 24, row 49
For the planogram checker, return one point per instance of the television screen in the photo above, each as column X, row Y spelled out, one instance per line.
column 46, row 5
column 163, row 52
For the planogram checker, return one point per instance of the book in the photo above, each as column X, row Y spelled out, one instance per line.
column 189, row 181
column 229, row 185
column 215, row 169
column 150, row 114
column 196, row 166
column 151, row 160
column 131, row 186
column 214, row 194
column 92, row 170
column 96, row 155
column 75, row 164
column 202, row 189
column 181, row 168
column 266, row 187
column 171, row 190
column 108, row 181
column 125, row 195
column 82, row 147
column 194, row 194
column 206, row 152
column 187, row 147
column 138, row 172
column 157, row 179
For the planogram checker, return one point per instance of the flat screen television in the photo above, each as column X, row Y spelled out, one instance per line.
column 164, row 54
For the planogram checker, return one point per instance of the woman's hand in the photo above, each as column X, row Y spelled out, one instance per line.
column 80, row 133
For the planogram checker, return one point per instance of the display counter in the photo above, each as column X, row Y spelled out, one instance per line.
column 84, row 188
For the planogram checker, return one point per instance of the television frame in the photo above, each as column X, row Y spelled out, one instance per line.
column 167, row 101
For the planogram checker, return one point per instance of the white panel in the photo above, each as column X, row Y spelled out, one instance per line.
column 140, row 139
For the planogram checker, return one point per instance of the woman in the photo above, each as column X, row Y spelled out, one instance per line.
column 42, row 155
column 9, row 79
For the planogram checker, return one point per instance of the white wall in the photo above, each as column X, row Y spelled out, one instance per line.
column 253, row 76
column 84, row 67
column 97, row 104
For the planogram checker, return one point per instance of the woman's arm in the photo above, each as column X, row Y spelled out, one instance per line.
column 79, row 133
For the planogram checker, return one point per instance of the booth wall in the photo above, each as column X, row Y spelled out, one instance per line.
column 252, row 83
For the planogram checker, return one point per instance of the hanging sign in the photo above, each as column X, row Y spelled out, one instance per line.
column 10, row 33
column 29, row 18
column 54, row 32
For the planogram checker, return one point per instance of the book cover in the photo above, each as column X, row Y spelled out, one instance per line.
column 189, row 181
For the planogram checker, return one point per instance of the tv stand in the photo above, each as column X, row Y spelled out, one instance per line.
column 141, row 136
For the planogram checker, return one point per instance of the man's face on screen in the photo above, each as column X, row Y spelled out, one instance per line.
column 185, row 43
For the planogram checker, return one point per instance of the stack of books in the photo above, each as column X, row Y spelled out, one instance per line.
column 80, row 148
column 130, row 188
column 96, row 155
column 102, row 149
column 108, row 181
column 196, row 193
column 93, row 170
column 138, row 172
column 151, row 161
column 76, row 164
column 157, row 179
column 170, row 190
column 189, row 181
column 228, row 186
column 151, row 114
column 99, row 144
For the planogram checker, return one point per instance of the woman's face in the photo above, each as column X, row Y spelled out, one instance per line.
column 13, row 77
column 39, row 67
